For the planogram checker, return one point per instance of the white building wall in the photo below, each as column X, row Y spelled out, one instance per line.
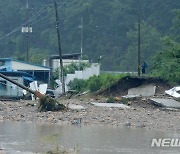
column 70, row 77
column 85, row 74
column 56, row 63
column 95, row 69
column 79, row 74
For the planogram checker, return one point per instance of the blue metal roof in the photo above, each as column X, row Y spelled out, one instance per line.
column 6, row 59
column 16, row 73
column 11, row 59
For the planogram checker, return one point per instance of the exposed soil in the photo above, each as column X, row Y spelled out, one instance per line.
column 121, row 87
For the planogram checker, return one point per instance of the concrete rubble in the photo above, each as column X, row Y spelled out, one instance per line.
column 141, row 91
column 167, row 103
column 174, row 92
column 76, row 107
column 116, row 105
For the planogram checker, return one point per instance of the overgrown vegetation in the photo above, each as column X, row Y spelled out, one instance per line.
column 109, row 29
column 111, row 100
column 95, row 83
column 78, row 84
column 166, row 64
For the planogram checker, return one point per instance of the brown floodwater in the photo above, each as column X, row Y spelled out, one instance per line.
column 28, row 138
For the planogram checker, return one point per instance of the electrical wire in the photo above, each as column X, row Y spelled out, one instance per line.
column 37, row 14
column 52, row 12
column 30, row 19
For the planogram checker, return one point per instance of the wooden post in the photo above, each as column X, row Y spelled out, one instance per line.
column 60, row 52
column 139, row 46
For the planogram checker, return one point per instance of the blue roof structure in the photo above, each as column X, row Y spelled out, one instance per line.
column 42, row 75
column 16, row 73
column 27, row 77
column 11, row 59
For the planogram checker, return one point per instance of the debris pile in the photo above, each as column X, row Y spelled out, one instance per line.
column 152, row 90
column 121, row 87
column 49, row 104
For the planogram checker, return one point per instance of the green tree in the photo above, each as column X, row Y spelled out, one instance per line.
column 150, row 44
column 106, row 23
column 167, row 63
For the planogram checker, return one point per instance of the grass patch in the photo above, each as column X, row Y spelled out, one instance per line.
column 95, row 83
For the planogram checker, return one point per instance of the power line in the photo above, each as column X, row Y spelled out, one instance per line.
column 46, row 16
column 42, row 18
column 37, row 14
column 16, row 29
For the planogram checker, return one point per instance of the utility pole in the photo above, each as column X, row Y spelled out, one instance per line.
column 27, row 37
column 60, row 52
column 27, row 29
column 139, row 45
column 81, row 37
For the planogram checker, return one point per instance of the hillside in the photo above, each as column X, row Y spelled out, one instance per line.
column 109, row 29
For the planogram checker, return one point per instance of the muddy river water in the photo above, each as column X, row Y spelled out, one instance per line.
column 27, row 138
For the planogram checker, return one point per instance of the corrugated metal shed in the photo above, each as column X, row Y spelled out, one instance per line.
column 42, row 73
column 7, row 89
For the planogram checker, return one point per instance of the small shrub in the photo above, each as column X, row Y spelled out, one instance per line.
column 111, row 100
column 94, row 83
column 77, row 84
column 124, row 100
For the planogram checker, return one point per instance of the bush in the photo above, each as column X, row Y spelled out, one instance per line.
column 70, row 69
column 77, row 84
column 111, row 100
column 166, row 63
column 94, row 83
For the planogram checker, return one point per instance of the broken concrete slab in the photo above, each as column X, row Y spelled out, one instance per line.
column 111, row 105
column 167, row 103
column 173, row 92
column 141, row 91
column 76, row 107
column 43, row 88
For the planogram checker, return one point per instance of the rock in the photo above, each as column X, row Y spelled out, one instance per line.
column 76, row 107
column 140, row 125
column 102, row 120
column 129, row 103
column 127, row 124
column 77, row 121
column 117, row 98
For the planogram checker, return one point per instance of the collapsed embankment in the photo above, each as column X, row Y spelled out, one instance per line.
column 121, row 87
